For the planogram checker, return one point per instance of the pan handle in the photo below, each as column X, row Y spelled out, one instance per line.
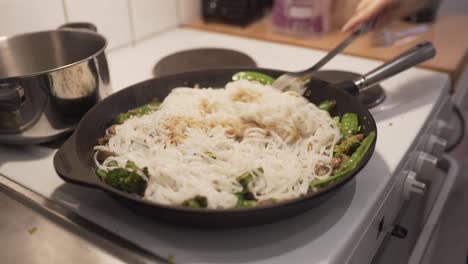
column 71, row 169
column 412, row 57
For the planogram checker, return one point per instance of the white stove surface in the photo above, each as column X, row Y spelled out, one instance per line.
column 326, row 234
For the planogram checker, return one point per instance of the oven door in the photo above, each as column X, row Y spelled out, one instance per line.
column 420, row 217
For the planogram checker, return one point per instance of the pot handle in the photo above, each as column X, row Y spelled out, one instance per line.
column 71, row 169
column 412, row 57
column 79, row 26
column 11, row 96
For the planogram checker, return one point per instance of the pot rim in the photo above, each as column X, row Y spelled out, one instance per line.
column 75, row 31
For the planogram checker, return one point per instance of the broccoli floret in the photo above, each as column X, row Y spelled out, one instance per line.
column 127, row 181
column 131, row 165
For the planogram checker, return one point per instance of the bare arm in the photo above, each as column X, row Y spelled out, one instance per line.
column 386, row 10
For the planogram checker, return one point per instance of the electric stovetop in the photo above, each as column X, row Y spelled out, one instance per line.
column 328, row 233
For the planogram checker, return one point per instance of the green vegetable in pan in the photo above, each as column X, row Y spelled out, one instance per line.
column 113, row 163
column 349, row 164
column 349, row 124
column 347, row 154
column 131, row 165
column 352, row 162
column 242, row 200
column 349, row 144
column 327, row 105
column 253, row 76
column 246, row 177
column 126, row 180
column 101, row 173
column 139, row 111
column 249, row 203
column 196, row 202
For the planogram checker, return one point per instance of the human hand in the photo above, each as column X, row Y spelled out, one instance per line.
column 384, row 10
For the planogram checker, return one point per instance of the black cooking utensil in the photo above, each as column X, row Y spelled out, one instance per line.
column 74, row 160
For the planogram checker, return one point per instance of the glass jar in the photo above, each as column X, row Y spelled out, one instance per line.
column 302, row 17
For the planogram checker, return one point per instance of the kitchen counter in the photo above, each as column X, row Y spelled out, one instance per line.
column 447, row 35
column 36, row 230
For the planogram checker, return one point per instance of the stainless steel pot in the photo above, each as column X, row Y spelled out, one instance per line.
column 48, row 80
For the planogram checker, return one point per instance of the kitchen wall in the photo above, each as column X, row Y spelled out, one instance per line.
column 123, row 22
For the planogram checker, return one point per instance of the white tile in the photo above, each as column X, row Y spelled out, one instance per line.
column 110, row 16
column 189, row 9
column 151, row 16
column 20, row 16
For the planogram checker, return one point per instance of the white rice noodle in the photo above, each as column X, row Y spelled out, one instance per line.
column 246, row 126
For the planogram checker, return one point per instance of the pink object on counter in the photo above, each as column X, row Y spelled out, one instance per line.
column 303, row 17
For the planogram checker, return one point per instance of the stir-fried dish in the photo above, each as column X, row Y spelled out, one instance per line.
column 243, row 145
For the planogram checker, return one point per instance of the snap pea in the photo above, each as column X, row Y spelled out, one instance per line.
column 192, row 203
column 240, row 199
column 348, row 144
column 244, row 179
column 196, row 202
column 139, row 111
column 327, row 105
column 113, row 163
column 253, row 76
column 349, row 124
column 101, row 173
column 350, row 163
column 243, row 201
column 249, row 203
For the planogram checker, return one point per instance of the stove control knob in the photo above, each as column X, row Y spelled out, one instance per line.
column 424, row 165
column 442, row 128
column 412, row 185
column 435, row 145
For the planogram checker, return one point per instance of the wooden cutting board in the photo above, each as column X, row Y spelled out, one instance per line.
column 449, row 34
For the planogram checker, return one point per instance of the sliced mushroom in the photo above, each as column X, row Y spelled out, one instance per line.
column 104, row 154
column 103, row 141
column 111, row 130
column 321, row 170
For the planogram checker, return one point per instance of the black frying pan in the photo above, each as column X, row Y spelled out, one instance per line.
column 74, row 160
